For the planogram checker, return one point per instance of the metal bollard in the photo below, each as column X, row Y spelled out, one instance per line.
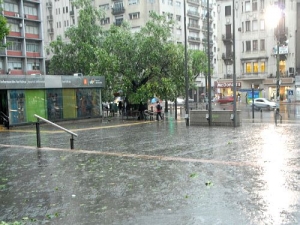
column 38, row 135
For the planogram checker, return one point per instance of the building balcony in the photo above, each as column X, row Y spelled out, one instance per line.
column 118, row 10
column 193, row 39
column 258, row 75
column 193, row 13
column 118, row 22
column 227, row 38
column 49, row 4
column 50, row 30
column 195, row 2
column 50, row 17
column 71, row 13
column 194, row 26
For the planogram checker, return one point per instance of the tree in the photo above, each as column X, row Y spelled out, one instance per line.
column 4, row 29
column 78, row 53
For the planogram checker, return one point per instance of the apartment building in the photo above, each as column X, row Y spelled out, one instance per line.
column 24, row 54
column 256, row 40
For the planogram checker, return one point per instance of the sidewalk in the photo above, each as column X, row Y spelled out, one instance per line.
column 148, row 172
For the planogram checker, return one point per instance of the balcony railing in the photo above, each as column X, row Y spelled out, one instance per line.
column 197, row 39
column 193, row 13
column 227, row 37
column 118, row 10
column 194, row 1
column 194, row 26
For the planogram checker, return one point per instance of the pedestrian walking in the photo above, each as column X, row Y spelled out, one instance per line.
column 120, row 106
column 141, row 111
column 158, row 112
column 239, row 97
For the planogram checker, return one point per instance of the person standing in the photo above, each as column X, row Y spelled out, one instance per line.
column 158, row 111
column 246, row 98
column 120, row 106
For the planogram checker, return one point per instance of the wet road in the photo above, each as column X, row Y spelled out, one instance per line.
column 130, row 172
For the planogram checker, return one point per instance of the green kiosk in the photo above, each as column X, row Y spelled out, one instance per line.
column 53, row 97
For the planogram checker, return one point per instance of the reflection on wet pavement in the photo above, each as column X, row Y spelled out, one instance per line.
column 152, row 173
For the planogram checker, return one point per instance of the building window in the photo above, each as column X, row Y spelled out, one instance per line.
column 31, row 29
column 11, row 7
column 255, row 45
column 228, row 10
column 248, row 68
column 170, row 2
column 262, row 67
column 247, row 26
column 254, row 5
column 262, row 45
column 14, row 45
column 254, row 25
column 30, row 10
column 33, row 66
column 178, row 4
column 15, row 65
column 133, row 2
column 33, row 47
column 262, row 25
column 13, row 25
column 134, row 16
column 104, row 7
column 262, row 4
column 178, row 18
column 247, row 6
column 255, row 67
column 105, row 21
column 248, row 46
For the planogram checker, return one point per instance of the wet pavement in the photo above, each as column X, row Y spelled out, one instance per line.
column 147, row 172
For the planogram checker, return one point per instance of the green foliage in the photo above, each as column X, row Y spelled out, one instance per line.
column 141, row 65
column 77, row 54
column 4, row 29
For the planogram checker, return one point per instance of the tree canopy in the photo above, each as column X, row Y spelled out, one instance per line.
column 140, row 65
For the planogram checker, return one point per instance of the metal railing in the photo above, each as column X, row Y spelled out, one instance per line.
column 4, row 119
column 38, row 133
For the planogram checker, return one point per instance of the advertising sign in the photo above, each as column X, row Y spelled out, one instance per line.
column 50, row 81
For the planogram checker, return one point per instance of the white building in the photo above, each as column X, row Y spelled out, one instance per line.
column 256, row 46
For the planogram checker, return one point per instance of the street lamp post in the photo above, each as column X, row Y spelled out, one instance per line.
column 208, row 62
column 252, row 87
column 234, row 71
column 185, row 70
column 278, row 78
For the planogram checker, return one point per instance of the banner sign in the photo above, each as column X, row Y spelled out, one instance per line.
column 50, row 81
column 228, row 84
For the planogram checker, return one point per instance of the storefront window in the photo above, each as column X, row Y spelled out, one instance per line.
column 16, row 104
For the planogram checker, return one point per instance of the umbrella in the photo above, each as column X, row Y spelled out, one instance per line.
column 154, row 100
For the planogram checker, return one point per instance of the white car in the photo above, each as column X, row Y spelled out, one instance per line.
column 263, row 103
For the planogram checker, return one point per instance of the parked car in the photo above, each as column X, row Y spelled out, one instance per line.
column 263, row 103
column 226, row 99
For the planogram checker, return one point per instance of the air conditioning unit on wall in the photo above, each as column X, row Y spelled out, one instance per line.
column 17, row 15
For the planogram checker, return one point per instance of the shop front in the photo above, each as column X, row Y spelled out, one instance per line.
column 286, row 89
column 53, row 97
column 226, row 88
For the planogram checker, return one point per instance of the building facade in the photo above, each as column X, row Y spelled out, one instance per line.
column 24, row 54
column 257, row 41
